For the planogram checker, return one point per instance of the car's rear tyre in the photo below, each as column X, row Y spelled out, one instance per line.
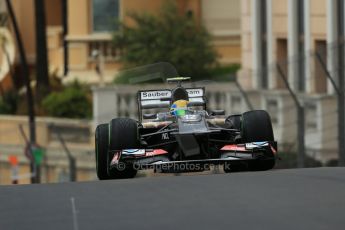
column 123, row 135
column 101, row 142
column 256, row 127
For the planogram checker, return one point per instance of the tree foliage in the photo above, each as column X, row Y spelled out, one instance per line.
column 167, row 37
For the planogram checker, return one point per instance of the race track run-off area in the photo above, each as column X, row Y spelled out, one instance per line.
column 278, row 199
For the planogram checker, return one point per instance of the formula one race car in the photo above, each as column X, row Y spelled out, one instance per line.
column 185, row 137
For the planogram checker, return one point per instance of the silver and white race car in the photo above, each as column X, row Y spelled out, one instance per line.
column 185, row 137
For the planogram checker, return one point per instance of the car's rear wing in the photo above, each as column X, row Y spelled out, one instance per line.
column 155, row 99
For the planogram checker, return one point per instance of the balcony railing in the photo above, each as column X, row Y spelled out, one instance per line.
column 101, row 43
column 109, row 52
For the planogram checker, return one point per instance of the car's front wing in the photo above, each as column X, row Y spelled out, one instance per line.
column 150, row 158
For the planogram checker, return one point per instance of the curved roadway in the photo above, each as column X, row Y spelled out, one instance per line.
column 281, row 199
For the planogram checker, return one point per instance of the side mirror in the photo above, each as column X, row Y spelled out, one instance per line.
column 149, row 116
column 218, row 112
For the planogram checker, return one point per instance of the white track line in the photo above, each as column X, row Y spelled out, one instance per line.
column 74, row 214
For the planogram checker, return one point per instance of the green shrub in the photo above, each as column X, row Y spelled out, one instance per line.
column 9, row 103
column 71, row 102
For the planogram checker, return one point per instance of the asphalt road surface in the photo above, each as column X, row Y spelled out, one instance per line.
column 281, row 199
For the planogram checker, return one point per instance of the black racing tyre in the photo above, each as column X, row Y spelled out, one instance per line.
column 123, row 135
column 257, row 126
column 101, row 144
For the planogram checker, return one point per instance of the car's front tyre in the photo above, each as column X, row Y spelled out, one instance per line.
column 101, row 142
column 123, row 135
column 257, row 127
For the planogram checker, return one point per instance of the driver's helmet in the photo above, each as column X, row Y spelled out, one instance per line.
column 179, row 108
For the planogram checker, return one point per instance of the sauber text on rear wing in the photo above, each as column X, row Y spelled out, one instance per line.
column 155, row 99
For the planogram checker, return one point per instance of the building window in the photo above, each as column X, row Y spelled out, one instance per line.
column 319, row 73
column 282, row 56
column 104, row 15
column 310, row 117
